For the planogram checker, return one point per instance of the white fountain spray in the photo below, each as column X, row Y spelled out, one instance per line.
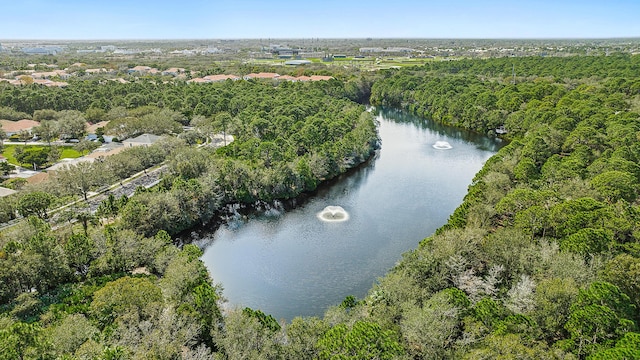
column 333, row 214
column 442, row 145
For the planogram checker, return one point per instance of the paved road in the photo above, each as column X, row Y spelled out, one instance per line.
column 128, row 187
column 146, row 178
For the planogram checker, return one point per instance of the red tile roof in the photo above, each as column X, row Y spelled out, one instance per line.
column 261, row 75
column 220, row 77
column 287, row 77
column 38, row 178
column 320, row 78
column 15, row 126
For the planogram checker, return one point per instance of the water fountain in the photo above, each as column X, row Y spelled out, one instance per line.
column 442, row 145
column 333, row 214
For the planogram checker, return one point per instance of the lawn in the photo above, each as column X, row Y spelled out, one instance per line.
column 65, row 152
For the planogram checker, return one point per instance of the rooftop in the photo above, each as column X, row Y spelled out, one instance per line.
column 15, row 126
column 6, row 191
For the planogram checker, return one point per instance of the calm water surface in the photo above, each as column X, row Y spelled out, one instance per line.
column 291, row 263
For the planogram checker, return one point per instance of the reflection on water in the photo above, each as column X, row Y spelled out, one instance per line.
column 287, row 263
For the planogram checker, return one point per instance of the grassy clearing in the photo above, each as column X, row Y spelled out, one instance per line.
column 69, row 152
column 65, row 152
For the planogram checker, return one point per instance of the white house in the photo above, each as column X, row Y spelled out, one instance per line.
column 142, row 140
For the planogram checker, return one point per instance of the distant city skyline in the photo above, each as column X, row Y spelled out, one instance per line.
column 240, row 19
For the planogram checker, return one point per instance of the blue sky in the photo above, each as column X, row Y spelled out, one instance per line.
column 213, row 19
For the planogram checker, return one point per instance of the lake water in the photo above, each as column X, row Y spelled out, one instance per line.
column 292, row 263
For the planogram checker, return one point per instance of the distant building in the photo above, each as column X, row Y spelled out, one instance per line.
column 297, row 62
column 45, row 50
column 173, row 71
column 50, row 74
column 139, row 69
column 96, row 71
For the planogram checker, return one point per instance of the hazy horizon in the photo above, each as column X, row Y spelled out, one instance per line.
column 80, row 40
column 68, row 20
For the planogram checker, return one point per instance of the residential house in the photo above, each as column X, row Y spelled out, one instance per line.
column 261, row 75
column 66, row 162
column 142, row 140
column 91, row 128
column 199, row 81
column 24, row 80
column 321, row 78
column 14, row 127
column 141, row 69
column 214, row 78
column 173, row 71
column 38, row 178
column 221, row 77
column 97, row 71
column 287, row 78
column 50, row 74
column 107, row 149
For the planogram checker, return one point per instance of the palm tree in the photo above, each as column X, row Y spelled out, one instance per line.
column 86, row 218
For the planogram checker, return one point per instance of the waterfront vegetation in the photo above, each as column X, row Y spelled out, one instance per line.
column 540, row 261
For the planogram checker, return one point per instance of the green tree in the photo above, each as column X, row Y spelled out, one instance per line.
column 95, row 115
column 6, row 168
column 35, row 156
column 71, row 124
column 71, row 332
column 302, row 336
column 627, row 348
column 222, row 122
column 25, row 136
column 552, row 300
column 615, row 185
column 128, row 299
column 244, row 337
column 600, row 315
column 47, row 130
column 80, row 252
column 86, row 146
column 22, row 341
column 83, row 177
column 364, row 340
column 35, row 203
column 624, row 272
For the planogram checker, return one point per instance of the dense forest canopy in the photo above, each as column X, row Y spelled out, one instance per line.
column 540, row 260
